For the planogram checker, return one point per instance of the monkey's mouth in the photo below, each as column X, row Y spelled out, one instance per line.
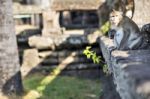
column 114, row 23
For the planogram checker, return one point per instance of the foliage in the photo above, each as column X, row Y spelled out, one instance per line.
column 96, row 59
column 92, row 55
column 62, row 87
column 105, row 28
column 105, row 69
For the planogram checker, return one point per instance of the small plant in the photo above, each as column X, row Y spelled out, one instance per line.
column 91, row 54
column 105, row 28
column 96, row 59
column 105, row 69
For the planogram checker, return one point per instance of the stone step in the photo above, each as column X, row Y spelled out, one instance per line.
column 66, row 61
column 69, row 67
column 60, row 41
column 65, row 53
column 60, row 53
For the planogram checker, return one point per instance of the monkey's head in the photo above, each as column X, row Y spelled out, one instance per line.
column 115, row 17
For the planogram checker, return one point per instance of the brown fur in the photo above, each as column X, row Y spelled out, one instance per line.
column 128, row 35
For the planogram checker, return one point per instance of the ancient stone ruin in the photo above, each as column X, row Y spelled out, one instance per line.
column 57, row 33
column 62, row 38
column 130, row 69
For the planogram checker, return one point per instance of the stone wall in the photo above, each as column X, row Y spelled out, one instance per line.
column 130, row 69
column 43, row 54
column 141, row 13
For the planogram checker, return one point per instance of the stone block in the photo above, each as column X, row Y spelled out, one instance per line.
column 40, row 42
column 30, row 61
column 130, row 69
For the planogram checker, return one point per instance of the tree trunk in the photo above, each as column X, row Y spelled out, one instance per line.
column 10, row 76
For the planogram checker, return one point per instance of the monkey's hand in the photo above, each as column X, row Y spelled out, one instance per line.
column 112, row 48
column 111, row 33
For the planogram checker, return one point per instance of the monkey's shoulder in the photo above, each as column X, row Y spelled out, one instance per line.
column 129, row 25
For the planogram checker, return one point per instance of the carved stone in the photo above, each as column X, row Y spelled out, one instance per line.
column 41, row 42
column 130, row 69
column 30, row 61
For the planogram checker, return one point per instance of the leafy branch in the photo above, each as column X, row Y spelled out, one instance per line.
column 91, row 55
column 96, row 59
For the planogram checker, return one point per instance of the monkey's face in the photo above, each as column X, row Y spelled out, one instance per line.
column 115, row 18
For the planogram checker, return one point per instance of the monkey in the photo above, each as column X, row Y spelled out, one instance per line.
column 145, row 30
column 128, row 6
column 128, row 35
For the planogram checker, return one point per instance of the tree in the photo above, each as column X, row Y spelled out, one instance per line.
column 10, row 76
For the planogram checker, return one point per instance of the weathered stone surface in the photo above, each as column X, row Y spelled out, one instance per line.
column 79, row 66
column 72, row 59
column 64, row 53
column 106, row 55
column 40, row 42
column 61, row 41
column 30, row 60
column 49, row 61
column 51, row 22
column 46, row 54
column 142, row 12
column 131, row 71
column 60, row 5
column 75, row 39
column 26, row 9
column 108, row 87
column 107, row 81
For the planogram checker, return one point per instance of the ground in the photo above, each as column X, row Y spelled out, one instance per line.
column 39, row 86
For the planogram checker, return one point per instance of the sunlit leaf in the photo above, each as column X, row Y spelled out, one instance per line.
column 95, row 58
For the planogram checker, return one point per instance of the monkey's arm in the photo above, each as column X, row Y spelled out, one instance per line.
column 124, row 42
column 111, row 34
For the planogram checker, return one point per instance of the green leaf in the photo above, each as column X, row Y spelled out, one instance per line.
column 85, row 52
column 88, row 47
column 89, row 56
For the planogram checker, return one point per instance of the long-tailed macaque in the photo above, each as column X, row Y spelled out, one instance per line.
column 145, row 30
column 128, row 35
